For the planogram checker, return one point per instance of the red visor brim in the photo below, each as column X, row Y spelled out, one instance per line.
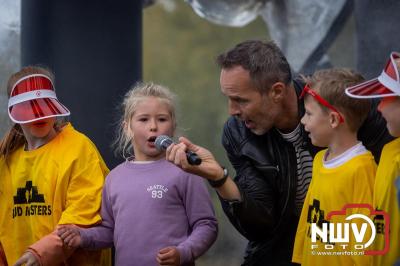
column 36, row 109
column 369, row 89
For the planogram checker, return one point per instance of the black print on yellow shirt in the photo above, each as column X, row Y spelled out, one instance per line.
column 379, row 222
column 316, row 215
column 28, row 195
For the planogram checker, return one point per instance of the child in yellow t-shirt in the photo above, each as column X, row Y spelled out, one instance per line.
column 387, row 87
column 50, row 174
column 342, row 174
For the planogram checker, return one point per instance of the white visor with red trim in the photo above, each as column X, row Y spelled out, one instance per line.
column 386, row 85
column 33, row 98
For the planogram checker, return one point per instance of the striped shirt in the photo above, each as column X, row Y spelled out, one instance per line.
column 304, row 165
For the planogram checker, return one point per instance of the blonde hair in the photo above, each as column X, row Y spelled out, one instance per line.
column 137, row 94
column 331, row 85
column 14, row 137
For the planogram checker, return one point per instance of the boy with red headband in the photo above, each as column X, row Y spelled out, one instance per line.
column 386, row 87
column 342, row 174
column 50, row 175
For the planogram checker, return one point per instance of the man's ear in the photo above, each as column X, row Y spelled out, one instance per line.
column 334, row 119
column 277, row 91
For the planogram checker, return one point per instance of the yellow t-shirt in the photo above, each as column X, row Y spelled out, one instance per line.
column 330, row 190
column 58, row 183
column 385, row 199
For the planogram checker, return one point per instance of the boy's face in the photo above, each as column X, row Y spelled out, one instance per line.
column 390, row 109
column 316, row 122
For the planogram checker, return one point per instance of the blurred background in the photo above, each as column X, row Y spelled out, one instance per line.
column 173, row 46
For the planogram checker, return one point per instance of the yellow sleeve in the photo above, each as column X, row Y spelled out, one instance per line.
column 82, row 203
column 301, row 232
column 83, row 199
column 363, row 185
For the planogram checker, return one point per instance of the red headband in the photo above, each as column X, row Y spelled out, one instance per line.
column 321, row 100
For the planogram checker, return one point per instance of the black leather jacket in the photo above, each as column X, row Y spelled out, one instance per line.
column 266, row 176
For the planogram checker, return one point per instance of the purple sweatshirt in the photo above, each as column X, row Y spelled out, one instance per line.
column 146, row 207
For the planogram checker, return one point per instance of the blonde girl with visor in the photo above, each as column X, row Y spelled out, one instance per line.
column 50, row 175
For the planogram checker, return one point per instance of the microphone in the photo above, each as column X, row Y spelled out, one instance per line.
column 162, row 142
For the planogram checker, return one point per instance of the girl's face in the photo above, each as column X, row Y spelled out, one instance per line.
column 317, row 123
column 151, row 118
column 390, row 109
column 39, row 132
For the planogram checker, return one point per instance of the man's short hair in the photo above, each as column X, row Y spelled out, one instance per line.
column 263, row 59
column 331, row 85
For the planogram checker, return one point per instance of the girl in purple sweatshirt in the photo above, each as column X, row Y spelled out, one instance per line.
column 153, row 212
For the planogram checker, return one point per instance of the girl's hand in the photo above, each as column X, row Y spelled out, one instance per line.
column 70, row 235
column 169, row 256
column 27, row 259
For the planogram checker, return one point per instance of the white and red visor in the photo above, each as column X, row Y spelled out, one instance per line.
column 33, row 98
column 387, row 84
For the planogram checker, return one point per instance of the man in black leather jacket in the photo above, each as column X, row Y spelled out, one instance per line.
column 264, row 104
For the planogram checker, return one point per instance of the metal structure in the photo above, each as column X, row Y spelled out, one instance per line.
column 95, row 51
column 305, row 29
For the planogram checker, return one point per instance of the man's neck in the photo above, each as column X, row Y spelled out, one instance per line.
column 289, row 118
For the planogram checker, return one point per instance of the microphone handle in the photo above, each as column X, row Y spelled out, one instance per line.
column 193, row 158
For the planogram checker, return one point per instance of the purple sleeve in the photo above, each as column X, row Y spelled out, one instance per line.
column 201, row 218
column 100, row 236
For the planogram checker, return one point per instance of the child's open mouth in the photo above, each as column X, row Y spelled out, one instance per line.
column 152, row 139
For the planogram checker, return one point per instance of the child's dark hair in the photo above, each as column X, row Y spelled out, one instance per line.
column 264, row 61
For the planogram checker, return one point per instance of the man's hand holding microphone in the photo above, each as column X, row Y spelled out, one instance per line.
column 209, row 168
